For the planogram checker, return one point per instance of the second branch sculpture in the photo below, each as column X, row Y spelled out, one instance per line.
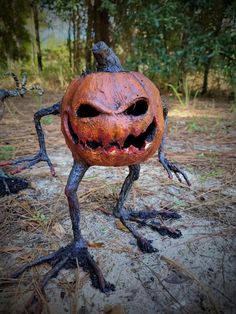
column 9, row 184
column 109, row 118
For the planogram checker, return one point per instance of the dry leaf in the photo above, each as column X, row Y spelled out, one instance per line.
column 120, row 226
column 95, row 245
column 176, row 278
column 58, row 230
column 114, row 309
column 104, row 210
column 10, row 249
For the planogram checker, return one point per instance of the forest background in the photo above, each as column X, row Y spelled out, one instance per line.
column 183, row 46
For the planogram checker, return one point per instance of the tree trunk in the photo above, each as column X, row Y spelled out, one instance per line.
column 69, row 44
column 220, row 8
column 101, row 23
column 88, row 48
column 37, row 36
column 205, row 77
column 32, row 39
column 77, row 42
column 74, row 39
column 182, row 71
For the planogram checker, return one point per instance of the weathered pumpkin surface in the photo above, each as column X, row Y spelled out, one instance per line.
column 112, row 119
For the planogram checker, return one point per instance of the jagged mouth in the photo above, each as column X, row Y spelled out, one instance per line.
column 131, row 143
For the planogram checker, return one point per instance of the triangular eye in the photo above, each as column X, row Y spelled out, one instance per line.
column 87, row 111
column 139, row 108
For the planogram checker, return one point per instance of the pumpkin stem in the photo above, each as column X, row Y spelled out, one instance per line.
column 106, row 59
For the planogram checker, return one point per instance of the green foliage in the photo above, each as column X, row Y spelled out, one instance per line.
column 178, row 204
column 168, row 41
column 156, row 47
column 185, row 99
column 6, row 152
column 194, row 126
column 37, row 100
column 47, row 120
column 177, row 94
column 57, row 70
column 175, row 38
column 39, row 218
column 14, row 36
column 216, row 173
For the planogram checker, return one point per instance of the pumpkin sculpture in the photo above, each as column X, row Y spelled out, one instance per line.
column 112, row 119
column 108, row 118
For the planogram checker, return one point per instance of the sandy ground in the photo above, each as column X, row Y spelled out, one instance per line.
column 193, row 274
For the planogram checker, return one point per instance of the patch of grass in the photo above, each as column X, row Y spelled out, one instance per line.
column 201, row 155
column 37, row 100
column 205, row 118
column 47, row 120
column 194, row 126
column 212, row 158
column 212, row 174
column 178, row 203
column 177, row 94
column 6, row 152
column 40, row 218
column 184, row 100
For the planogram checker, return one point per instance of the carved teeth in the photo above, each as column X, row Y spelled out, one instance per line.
column 132, row 143
column 147, row 145
column 140, row 140
column 112, row 150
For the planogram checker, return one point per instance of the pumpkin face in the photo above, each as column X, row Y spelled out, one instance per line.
column 112, row 119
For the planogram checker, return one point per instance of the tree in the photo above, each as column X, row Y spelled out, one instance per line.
column 154, row 44
column 207, row 24
column 167, row 40
column 89, row 34
column 14, row 36
column 34, row 5
column 73, row 12
column 101, row 22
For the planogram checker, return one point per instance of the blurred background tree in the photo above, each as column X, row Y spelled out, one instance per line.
column 14, row 35
column 172, row 42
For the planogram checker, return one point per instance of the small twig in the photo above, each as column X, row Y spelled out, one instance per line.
column 164, row 287
column 225, row 296
column 192, row 276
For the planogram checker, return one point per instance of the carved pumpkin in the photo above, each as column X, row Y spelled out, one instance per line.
column 112, row 119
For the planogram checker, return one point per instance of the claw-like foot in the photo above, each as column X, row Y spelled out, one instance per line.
column 28, row 163
column 143, row 219
column 145, row 245
column 170, row 167
column 163, row 229
column 155, row 213
column 70, row 256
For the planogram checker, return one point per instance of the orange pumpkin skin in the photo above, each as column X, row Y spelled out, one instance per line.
column 114, row 132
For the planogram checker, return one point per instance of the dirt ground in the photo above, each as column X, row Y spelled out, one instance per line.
column 193, row 274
